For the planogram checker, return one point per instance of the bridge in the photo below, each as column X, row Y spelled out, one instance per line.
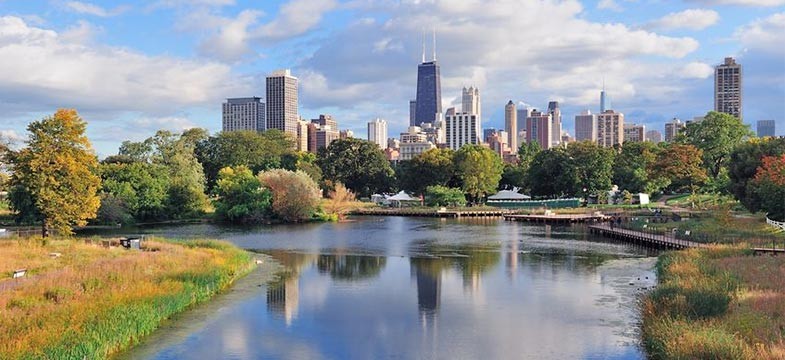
column 663, row 240
column 559, row 218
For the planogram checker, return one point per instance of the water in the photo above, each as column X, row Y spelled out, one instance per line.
column 411, row 288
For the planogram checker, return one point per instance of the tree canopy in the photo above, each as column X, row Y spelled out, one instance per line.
column 716, row 136
column 240, row 196
column 479, row 169
column 433, row 167
column 769, row 185
column 682, row 165
column 358, row 164
column 633, row 168
column 743, row 165
column 56, row 173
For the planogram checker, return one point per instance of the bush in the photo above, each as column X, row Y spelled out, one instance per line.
column 438, row 195
column 241, row 197
column 295, row 194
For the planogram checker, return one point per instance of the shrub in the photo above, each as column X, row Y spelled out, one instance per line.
column 241, row 197
column 438, row 195
column 295, row 194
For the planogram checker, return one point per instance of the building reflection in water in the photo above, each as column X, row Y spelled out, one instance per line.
column 283, row 294
column 512, row 255
column 428, row 274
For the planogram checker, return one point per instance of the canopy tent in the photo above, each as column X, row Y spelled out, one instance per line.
column 508, row 195
column 400, row 198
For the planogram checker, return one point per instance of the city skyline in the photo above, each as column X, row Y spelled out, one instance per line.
column 357, row 62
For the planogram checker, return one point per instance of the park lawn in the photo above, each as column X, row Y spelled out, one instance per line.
column 92, row 302
column 716, row 303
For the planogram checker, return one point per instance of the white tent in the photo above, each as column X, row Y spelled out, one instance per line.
column 508, row 195
column 400, row 198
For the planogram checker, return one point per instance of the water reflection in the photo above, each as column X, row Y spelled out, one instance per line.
column 351, row 267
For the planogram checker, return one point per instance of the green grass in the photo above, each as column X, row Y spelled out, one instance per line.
column 93, row 302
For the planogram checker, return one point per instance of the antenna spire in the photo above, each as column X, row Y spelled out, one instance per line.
column 434, row 43
column 423, row 46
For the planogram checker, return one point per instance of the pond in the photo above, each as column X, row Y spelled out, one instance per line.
column 417, row 288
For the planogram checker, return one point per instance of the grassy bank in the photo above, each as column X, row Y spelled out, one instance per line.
column 717, row 303
column 92, row 302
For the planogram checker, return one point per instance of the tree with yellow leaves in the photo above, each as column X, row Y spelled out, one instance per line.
column 54, row 176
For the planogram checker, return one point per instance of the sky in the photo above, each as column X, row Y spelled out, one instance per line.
column 133, row 67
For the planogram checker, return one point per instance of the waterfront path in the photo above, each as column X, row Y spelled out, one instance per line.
column 659, row 240
column 558, row 218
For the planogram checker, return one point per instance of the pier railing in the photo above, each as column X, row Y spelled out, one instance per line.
column 777, row 224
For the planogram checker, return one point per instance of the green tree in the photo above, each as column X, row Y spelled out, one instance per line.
column 682, row 164
column 358, row 164
column 513, row 176
column 57, row 170
column 548, row 173
column 479, row 170
column 258, row 151
column 438, row 195
column 433, row 167
column 186, row 195
column 295, row 194
column 633, row 168
column 769, row 185
column 744, row 163
column 141, row 188
column 240, row 196
column 716, row 136
column 526, row 154
column 590, row 167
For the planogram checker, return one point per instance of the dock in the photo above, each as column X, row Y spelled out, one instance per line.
column 433, row 213
column 558, row 218
column 666, row 241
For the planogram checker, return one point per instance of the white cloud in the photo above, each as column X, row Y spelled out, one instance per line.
column 42, row 69
column 10, row 136
column 231, row 41
column 696, row 70
column 82, row 32
column 693, row 19
column 767, row 35
column 609, row 5
column 92, row 9
column 742, row 2
column 295, row 18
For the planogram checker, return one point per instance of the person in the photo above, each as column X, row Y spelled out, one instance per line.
column 613, row 220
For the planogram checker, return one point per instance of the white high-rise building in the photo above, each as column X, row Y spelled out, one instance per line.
column 470, row 101
column 586, row 126
column 511, row 125
column 462, row 129
column 610, row 128
column 282, row 103
column 377, row 132
column 243, row 114
column 556, row 124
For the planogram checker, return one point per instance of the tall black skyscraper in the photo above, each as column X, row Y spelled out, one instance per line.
column 429, row 90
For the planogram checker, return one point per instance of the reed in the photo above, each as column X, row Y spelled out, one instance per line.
column 93, row 302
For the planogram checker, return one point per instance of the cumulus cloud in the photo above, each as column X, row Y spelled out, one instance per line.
column 742, row 2
column 767, row 35
column 693, row 19
column 231, row 41
column 45, row 69
column 609, row 5
column 696, row 70
column 92, row 9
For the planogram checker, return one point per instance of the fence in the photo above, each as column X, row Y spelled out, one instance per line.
column 776, row 224
column 23, row 232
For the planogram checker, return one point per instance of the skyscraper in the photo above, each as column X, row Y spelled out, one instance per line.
column 322, row 132
column 556, row 126
column 377, row 132
column 412, row 111
column 634, row 132
column 654, row 136
column 586, row 126
column 282, row 102
column 462, row 129
column 766, row 128
column 610, row 128
column 523, row 113
column 728, row 88
column 511, row 125
column 243, row 114
column 539, row 129
column 605, row 100
column 428, row 105
column 470, row 101
column 672, row 129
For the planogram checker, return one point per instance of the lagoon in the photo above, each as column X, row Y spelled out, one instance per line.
column 416, row 288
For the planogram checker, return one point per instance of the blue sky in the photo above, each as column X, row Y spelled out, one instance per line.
column 131, row 68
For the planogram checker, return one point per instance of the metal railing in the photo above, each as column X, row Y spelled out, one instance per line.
column 777, row 224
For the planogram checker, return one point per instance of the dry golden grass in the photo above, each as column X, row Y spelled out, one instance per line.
column 92, row 302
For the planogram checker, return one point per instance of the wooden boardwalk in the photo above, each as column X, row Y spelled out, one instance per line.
column 433, row 213
column 558, row 218
column 663, row 241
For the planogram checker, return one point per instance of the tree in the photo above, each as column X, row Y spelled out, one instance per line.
column 513, row 176
column 716, row 136
column 744, row 163
column 359, row 164
column 57, row 171
column 547, row 173
column 633, row 168
column 769, row 185
column 295, row 194
column 141, row 188
column 682, row 164
column 433, row 167
column 255, row 150
column 340, row 201
column 590, row 167
column 438, row 195
column 240, row 196
column 186, row 194
column 526, row 154
column 479, row 170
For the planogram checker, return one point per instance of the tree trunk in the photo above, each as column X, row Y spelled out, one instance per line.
column 44, row 229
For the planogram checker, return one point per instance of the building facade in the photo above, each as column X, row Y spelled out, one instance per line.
column 728, row 88
column 556, row 127
column 244, row 114
column 321, row 132
column 414, row 142
column 511, row 125
column 377, row 132
column 539, row 129
column 634, row 132
column 654, row 136
column 282, row 102
column 673, row 128
column 462, row 129
column 766, row 128
column 586, row 126
column 610, row 128
column 428, row 103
